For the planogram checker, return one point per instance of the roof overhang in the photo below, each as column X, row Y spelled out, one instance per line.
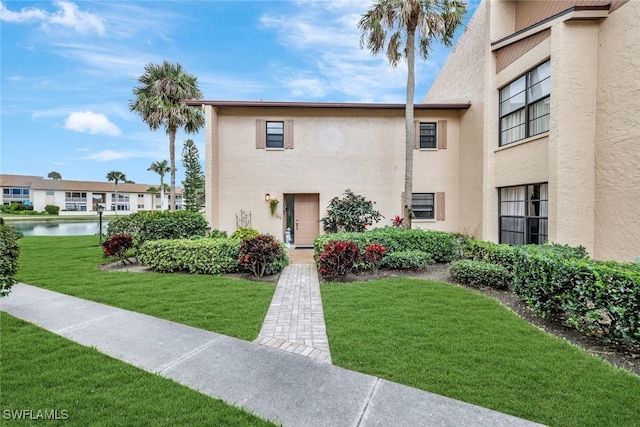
column 572, row 14
column 323, row 105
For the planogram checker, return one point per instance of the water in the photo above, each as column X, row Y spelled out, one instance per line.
column 58, row 228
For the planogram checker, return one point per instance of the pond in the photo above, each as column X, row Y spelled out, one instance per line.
column 57, row 228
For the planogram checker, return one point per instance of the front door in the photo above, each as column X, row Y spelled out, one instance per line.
column 306, row 219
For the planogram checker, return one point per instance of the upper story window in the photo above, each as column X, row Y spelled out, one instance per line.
column 275, row 134
column 525, row 105
column 428, row 135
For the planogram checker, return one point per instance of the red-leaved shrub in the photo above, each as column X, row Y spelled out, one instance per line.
column 338, row 259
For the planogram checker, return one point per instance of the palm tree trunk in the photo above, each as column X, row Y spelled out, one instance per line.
column 172, row 155
column 162, row 206
column 409, row 128
column 115, row 205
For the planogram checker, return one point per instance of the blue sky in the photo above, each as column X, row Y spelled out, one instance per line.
column 68, row 69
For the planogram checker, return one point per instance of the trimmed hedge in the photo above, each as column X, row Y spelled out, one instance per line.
column 9, row 252
column 52, row 209
column 440, row 245
column 204, row 256
column 479, row 273
column 407, row 260
column 156, row 225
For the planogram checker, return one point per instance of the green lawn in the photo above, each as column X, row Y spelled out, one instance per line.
column 433, row 336
column 41, row 371
column 69, row 265
column 456, row 342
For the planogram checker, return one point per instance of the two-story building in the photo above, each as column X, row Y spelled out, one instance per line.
column 80, row 197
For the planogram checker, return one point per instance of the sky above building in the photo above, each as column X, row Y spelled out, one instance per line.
column 68, row 69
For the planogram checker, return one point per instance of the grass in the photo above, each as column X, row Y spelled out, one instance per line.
column 458, row 343
column 41, row 371
column 69, row 265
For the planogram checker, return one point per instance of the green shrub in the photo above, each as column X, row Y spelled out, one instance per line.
column 352, row 213
column 52, row 209
column 338, row 259
column 278, row 264
column 204, row 256
column 259, row 252
column 479, row 273
column 156, row 225
column 441, row 246
column 9, row 252
column 407, row 260
column 217, row 234
column 594, row 297
column 244, row 233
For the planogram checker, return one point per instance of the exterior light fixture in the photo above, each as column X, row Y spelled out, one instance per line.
column 267, row 197
column 100, row 209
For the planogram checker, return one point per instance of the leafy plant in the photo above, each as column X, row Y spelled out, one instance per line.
column 217, row 234
column 258, row 252
column 338, row 259
column 144, row 226
column 374, row 254
column 413, row 259
column 244, row 233
column 273, row 206
column 52, row 209
column 201, row 256
column 397, row 222
column 9, row 253
column 118, row 245
column 350, row 213
column 479, row 273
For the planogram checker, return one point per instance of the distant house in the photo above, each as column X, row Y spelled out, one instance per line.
column 552, row 138
column 79, row 197
column 530, row 133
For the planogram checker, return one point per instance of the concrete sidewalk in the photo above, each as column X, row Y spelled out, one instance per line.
column 277, row 385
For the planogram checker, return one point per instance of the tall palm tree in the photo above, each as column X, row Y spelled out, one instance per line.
column 161, row 167
column 160, row 103
column 395, row 24
column 116, row 177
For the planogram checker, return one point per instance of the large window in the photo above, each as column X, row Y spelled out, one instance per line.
column 523, row 212
column 275, row 134
column 422, row 205
column 14, row 195
column 428, row 135
column 525, row 105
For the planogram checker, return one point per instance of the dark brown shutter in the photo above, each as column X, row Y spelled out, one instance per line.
column 261, row 133
column 442, row 134
column 416, row 134
column 440, row 206
column 288, row 134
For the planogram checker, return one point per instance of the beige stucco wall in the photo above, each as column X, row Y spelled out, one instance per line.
column 458, row 81
column 617, row 215
column 334, row 150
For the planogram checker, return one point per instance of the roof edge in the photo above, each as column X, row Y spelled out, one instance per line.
column 322, row 105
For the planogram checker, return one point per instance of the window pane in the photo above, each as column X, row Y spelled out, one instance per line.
column 512, row 128
column 422, row 205
column 540, row 73
column 275, row 135
column 427, row 135
column 539, row 116
column 512, row 104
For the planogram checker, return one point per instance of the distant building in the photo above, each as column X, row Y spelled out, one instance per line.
column 80, row 197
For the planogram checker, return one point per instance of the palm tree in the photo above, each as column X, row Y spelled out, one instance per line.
column 161, row 167
column 116, row 177
column 160, row 103
column 54, row 175
column 394, row 24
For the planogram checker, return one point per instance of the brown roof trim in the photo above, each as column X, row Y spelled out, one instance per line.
column 323, row 105
column 575, row 12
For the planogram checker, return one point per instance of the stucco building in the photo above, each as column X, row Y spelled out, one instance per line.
column 530, row 133
column 554, row 88
column 79, row 197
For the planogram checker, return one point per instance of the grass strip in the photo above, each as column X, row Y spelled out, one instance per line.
column 45, row 375
column 459, row 343
column 69, row 265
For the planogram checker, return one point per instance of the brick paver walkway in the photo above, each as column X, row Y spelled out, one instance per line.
column 295, row 320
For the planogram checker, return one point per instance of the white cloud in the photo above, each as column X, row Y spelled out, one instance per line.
column 68, row 16
column 90, row 122
column 109, row 155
